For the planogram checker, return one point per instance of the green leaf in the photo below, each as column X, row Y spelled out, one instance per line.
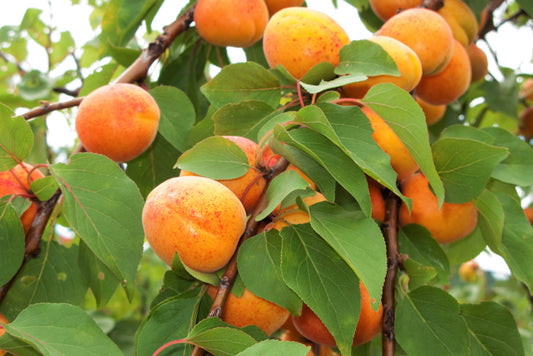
column 259, row 262
column 174, row 125
column 490, row 218
column 466, row 248
column 526, row 6
column 212, row 335
column 367, row 58
column 60, row 329
column 416, row 242
column 280, row 187
column 517, row 242
column 332, row 158
column 52, row 277
column 215, row 157
column 169, row 320
column 323, row 280
column 35, row 85
column 433, row 315
column 16, row 139
column 244, row 118
column 99, row 77
column 44, row 187
column 499, row 94
column 465, row 166
column 492, row 330
column 404, row 116
column 11, row 240
column 517, row 168
column 243, row 81
column 104, row 207
column 335, row 83
column 357, row 240
column 276, row 348
column 62, row 48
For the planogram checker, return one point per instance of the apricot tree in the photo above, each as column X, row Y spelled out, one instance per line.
column 324, row 196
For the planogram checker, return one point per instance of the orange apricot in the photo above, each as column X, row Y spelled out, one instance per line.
column 369, row 325
column 461, row 19
column 293, row 215
column 248, row 187
column 298, row 38
column 449, row 223
column 198, row 218
column 406, row 60
column 385, row 9
column 119, row 121
column 449, row 84
column 528, row 211
column 479, row 63
column 235, row 23
column 526, row 91
column 426, row 33
column 276, row 5
column 376, row 199
column 401, row 159
column 2, row 331
column 433, row 113
column 249, row 309
column 525, row 127
column 15, row 182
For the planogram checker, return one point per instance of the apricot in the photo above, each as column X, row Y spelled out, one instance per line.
column 449, row 223
column 235, row 23
column 198, row 218
column 249, row 187
column 295, row 336
column 369, row 325
column 461, row 19
column 449, row 84
column 298, row 38
column 249, row 309
column 376, row 199
column 479, row 63
column 293, row 215
column 433, row 113
column 401, row 159
column 468, row 271
column 528, row 211
column 276, row 5
column 15, row 182
column 426, row 33
column 385, row 9
column 525, row 127
column 3, row 320
column 526, row 92
column 119, row 121
column 406, row 60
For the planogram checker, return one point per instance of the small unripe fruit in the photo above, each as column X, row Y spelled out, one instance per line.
column 468, row 271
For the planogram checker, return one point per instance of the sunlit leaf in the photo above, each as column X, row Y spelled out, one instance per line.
column 11, row 240
column 275, row 348
column 245, row 118
column 16, row 139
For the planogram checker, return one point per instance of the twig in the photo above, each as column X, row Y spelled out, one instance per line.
column 390, row 231
column 49, row 107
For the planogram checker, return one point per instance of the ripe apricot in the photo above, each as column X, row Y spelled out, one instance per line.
column 119, row 121
column 461, row 19
column 196, row 217
column 385, row 9
column 401, row 159
column 249, row 309
column 528, row 211
column 15, row 182
column 235, row 23
column 449, row 223
column 369, row 325
column 526, row 92
column 276, row 5
column 525, row 128
column 376, row 199
column 479, row 63
column 433, row 113
column 449, row 84
column 295, row 336
column 2, row 330
column 249, row 187
column 298, row 38
column 406, row 60
column 426, row 33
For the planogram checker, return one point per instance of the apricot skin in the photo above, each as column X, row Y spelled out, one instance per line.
column 449, row 84
column 276, row 5
column 426, row 33
column 433, row 113
column 249, row 187
column 2, row 330
column 406, row 60
column 385, row 9
column 235, row 23
column 401, row 159
column 461, row 19
column 479, row 63
column 119, row 121
column 369, row 325
column 451, row 223
column 299, row 38
column 525, row 128
column 196, row 217
column 249, row 309
column 15, row 182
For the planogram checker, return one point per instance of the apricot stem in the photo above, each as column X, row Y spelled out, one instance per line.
column 300, row 96
column 390, row 231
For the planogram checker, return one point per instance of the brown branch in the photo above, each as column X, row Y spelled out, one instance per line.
column 47, row 107
column 488, row 12
column 227, row 279
column 390, row 231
